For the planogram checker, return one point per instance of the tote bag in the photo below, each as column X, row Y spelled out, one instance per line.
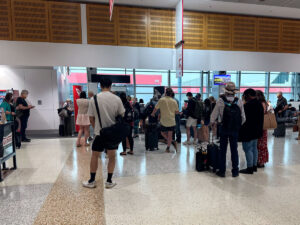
column 270, row 121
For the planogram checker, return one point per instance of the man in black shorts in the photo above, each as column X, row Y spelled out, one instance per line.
column 110, row 106
column 168, row 109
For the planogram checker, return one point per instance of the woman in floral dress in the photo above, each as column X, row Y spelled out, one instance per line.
column 262, row 145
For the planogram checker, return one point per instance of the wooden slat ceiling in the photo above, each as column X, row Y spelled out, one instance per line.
column 132, row 26
column 30, row 20
column 5, row 20
column 65, row 22
column 218, row 32
column 244, row 33
column 161, row 28
column 194, row 30
column 99, row 29
column 290, row 36
column 268, row 35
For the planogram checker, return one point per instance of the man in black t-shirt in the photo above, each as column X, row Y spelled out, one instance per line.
column 23, row 113
column 281, row 106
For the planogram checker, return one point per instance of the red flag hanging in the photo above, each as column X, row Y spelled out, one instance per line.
column 111, row 8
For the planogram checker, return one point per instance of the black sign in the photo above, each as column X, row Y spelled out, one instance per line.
column 119, row 79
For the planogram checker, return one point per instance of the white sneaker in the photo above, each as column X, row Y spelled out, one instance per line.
column 89, row 185
column 109, row 185
column 187, row 143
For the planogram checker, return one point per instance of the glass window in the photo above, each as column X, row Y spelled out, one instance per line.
column 253, row 79
column 281, row 82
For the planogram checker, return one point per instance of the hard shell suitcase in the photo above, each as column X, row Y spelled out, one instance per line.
column 280, row 130
column 151, row 137
column 202, row 160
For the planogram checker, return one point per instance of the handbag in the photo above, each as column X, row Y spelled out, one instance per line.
column 295, row 128
column 113, row 135
column 270, row 121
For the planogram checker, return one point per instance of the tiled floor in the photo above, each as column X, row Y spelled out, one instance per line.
column 153, row 188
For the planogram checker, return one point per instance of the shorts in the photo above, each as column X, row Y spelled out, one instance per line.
column 191, row 122
column 83, row 120
column 99, row 145
column 166, row 129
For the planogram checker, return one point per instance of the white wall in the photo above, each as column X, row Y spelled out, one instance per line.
column 42, row 85
column 52, row 54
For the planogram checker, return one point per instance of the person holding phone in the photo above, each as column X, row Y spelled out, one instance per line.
column 24, row 113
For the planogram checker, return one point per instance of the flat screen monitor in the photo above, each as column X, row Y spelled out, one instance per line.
column 221, row 79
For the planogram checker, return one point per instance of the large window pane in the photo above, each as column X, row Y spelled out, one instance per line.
column 281, row 82
column 253, row 79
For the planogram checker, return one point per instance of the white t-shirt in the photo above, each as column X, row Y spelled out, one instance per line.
column 110, row 106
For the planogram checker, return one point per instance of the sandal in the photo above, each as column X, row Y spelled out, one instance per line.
column 123, row 153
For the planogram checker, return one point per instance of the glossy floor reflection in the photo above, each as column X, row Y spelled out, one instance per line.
column 159, row 188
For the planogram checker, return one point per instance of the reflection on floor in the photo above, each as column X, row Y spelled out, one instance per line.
column 153, row 188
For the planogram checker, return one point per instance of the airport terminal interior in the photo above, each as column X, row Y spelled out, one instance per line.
column 191, row 79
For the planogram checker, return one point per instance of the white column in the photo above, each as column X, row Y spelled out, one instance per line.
column 83, row 23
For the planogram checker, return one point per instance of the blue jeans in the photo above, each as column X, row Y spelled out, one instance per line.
column 251, row 152
column 232, row 138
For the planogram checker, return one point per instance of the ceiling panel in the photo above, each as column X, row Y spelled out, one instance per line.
column 280, row 3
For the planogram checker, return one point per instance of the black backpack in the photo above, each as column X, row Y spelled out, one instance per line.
column 129, row 114
column 232, row 119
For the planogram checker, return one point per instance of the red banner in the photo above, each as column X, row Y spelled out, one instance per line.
column 76, row 93
column 111, row 9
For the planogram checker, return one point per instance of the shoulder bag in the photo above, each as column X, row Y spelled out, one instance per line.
column 113, row 135
column 270, row 121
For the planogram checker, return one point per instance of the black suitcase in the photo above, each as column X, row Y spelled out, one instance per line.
column 280, row 130
column 213, row 152
column 151, row 137
column 62, row 130
column 202, row 160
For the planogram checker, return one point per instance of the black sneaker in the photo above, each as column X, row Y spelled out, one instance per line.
column 235, row 174
column 247, row 171
column 26, row 140
column 220, row 174
column 254, row 168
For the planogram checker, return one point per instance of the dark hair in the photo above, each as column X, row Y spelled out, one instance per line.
column 105, row 82
column 83, row 94
column 141, row 100
column 198, row 96
column 249, row 93
column 173, row 95
column 123, row 97
column 260, row 96
column 8, row 97
column 189, row 94
column 169, row 92
column 207, row 102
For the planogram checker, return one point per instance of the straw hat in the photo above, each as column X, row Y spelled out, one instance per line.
column 230, row 88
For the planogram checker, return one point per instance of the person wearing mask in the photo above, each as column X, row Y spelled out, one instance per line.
column 6, row 106
column 262, row 145
column 252, row 129
column 128, row 118
column 192, row 120
column 168, row 109
column 23, row 113
column 110, row 107
column 136, row 108
column 177, row 119
column 83, row 120
column 230, row 110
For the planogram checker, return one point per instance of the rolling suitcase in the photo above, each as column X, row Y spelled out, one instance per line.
column 213, row 152
column 151, row 137
column 202, row 159
column 280, row 130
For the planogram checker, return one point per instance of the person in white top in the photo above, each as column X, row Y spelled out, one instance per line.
column 83, row 120
column 110, row 106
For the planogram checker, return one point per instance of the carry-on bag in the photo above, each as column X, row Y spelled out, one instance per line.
column 280, row 130
column 202, row 159
column 151, row 137
column 61, row 130
column 213, row 152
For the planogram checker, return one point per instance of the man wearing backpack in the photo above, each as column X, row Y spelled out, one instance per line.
column 231, row 111
column 194, row 112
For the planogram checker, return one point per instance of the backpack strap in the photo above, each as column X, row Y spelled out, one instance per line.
column 97, row 109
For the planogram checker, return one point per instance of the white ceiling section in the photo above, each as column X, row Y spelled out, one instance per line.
column 269, row 8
